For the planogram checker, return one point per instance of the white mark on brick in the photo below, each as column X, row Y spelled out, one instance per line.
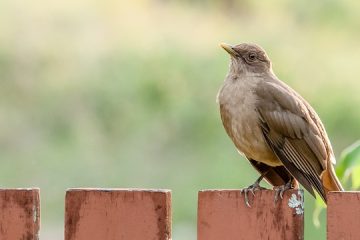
column 34, row 213
column 297, row 203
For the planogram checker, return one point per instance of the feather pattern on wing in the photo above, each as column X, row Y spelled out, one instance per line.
column 290, row 128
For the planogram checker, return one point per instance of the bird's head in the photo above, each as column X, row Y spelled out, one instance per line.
column 247, row 58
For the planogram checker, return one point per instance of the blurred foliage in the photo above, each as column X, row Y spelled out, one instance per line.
column 349, row 166
column 122, row 93
column 348, row 172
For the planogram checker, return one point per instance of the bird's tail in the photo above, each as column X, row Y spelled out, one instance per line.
column 330, row 181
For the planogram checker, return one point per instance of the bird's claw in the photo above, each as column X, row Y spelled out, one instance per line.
column 252, row 188
column 279, row 190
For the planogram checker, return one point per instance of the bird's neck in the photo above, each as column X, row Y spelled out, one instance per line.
column 244, row 75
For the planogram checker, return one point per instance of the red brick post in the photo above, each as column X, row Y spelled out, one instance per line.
column 222, row 214
column 19, row 214
column 343, row 216
column 117, row 214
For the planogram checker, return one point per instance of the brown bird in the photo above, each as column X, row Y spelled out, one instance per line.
column 274, row 127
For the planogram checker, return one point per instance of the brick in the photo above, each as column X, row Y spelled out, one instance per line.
column 343, row 216
column 121, row 214
column 222, row 214
column 19, row 214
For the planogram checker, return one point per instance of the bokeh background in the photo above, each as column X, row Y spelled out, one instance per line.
column 122, row 93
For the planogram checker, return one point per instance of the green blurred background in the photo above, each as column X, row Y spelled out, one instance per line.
column 122, row 93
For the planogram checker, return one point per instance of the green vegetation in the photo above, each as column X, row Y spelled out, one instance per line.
column 348, row 171
column 122, row 94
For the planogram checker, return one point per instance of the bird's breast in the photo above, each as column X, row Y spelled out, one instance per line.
column 241, row 121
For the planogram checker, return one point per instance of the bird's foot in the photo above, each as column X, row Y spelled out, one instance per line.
column 279, row 190
column 252, row 188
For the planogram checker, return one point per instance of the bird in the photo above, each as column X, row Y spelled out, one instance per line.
column 274, row 127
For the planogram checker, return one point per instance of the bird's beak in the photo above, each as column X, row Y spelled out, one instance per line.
column 228, row 48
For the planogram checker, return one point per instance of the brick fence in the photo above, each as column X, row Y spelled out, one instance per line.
column 134, row 214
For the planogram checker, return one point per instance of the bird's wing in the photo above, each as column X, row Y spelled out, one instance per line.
column 292, row 134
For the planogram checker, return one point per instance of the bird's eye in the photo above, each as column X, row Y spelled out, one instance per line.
column 252, row 56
